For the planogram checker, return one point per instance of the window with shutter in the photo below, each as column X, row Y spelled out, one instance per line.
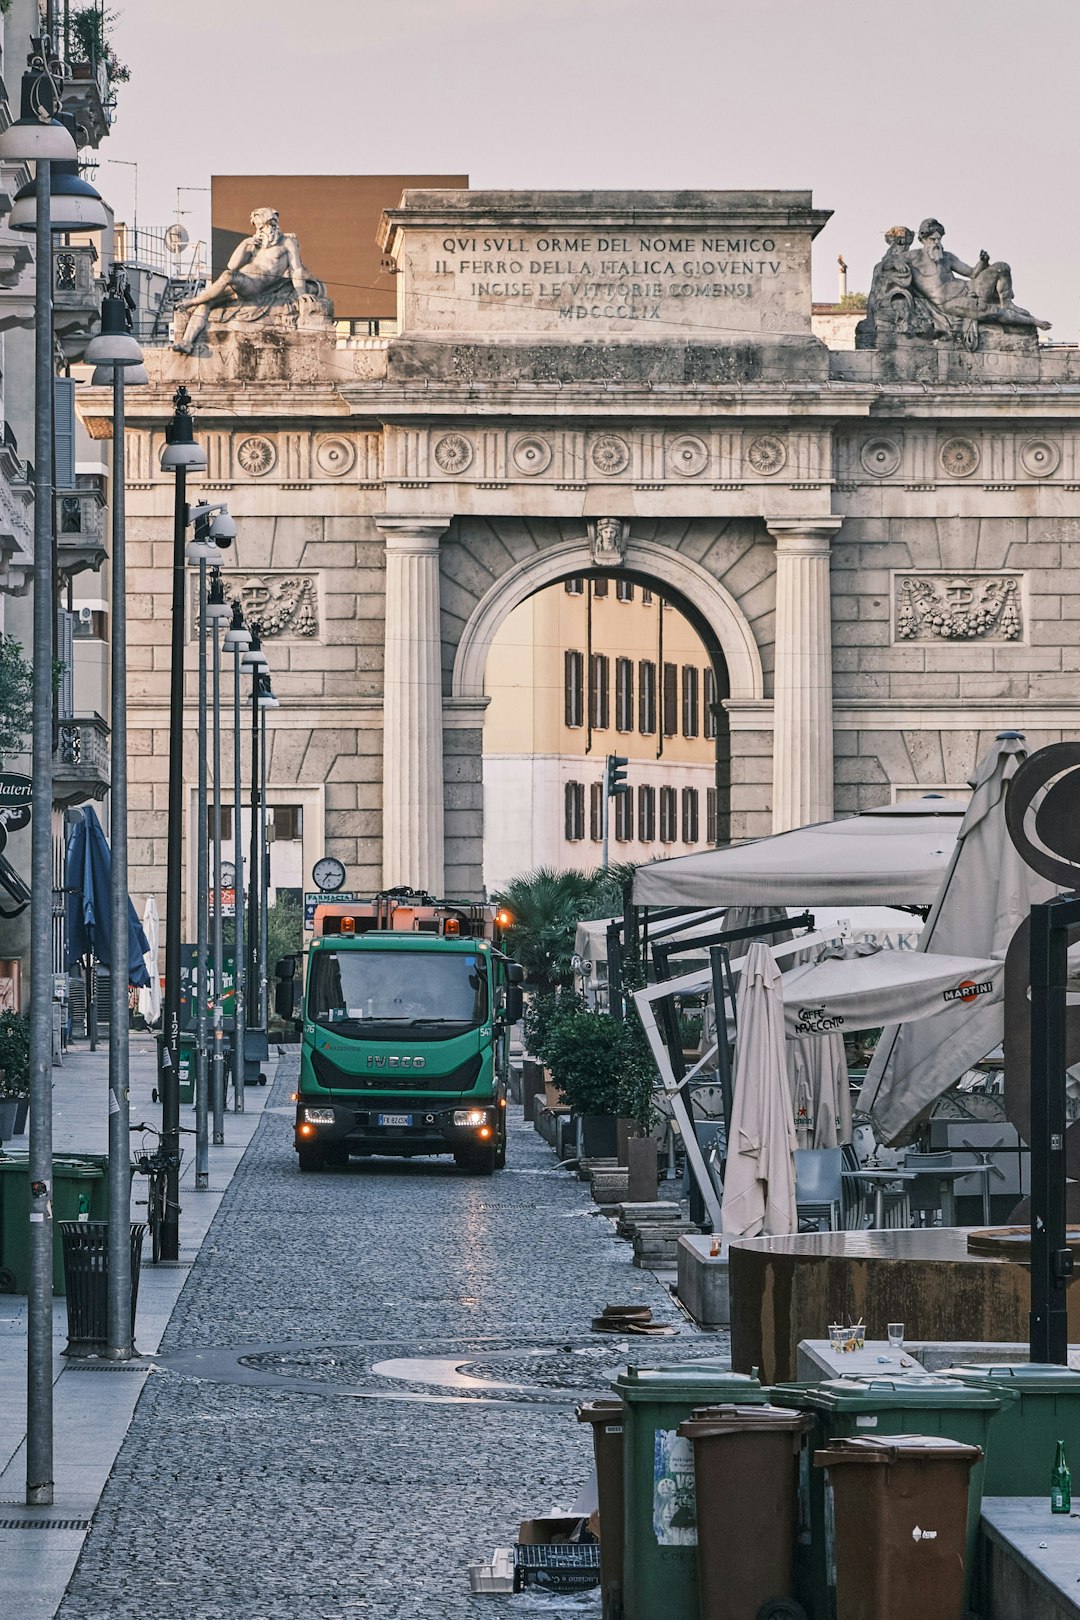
column 624, row 694
column 669, row 815
column 689, row 701
column 574, row 811
column 573, row 677
column 711, row 813
column 690, row 815
column 646, row 814
column 599, row 692
column 574, row 587
column 600, row 586
column 646, row 697
column 708, row 683
column 596, row 811
column 624, row 590
column 624, row 817
column 671, row 700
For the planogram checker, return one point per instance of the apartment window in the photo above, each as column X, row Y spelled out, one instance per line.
column 669, row 815
column 574, row 587
column 288, row 821
column 646, row 814
column 226, row 823
column 596, row 812
column 708, row 697
column 671, row 700
column 690, row 815
column 600, row 585
column 712, row 813
column 574, row 811
column 624, row 694
column 646, row 597
column 689, row 701
column 599, row 693
column 624, row 590
column 646, row 697
column 573, row 682
column 624, row 817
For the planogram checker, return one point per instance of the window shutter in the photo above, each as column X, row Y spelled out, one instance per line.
column 64, row 431
column 671, row 700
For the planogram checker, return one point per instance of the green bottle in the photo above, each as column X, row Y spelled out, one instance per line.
column 1060, row 1483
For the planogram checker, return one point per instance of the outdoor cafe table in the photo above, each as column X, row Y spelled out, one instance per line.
column 944, row 1174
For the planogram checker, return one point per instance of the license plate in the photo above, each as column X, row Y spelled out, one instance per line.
column 395, row 1119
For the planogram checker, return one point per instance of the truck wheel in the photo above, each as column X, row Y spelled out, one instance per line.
column 311, row 1158
column 481, row 1161
column 338, row 1158
column 500, row 1149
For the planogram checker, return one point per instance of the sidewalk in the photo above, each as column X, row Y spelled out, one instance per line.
column 93, row 1402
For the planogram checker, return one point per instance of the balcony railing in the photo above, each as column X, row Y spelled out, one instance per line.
column 80, row 526
column 77, row 293
column 80, row 759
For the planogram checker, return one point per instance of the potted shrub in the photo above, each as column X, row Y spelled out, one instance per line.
column 14, row 1073
column 599, row 1067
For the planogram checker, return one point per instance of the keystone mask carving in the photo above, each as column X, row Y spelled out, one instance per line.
column 265, row 281
column 927, row 292
column 608, row 538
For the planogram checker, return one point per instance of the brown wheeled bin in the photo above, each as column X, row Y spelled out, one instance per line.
column 606, row 1418
column 746, row 1475
column 900, row 1512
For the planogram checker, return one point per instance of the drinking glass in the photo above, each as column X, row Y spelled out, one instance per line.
column 895, row 1331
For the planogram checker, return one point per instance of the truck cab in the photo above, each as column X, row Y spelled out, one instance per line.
column 407, row 1012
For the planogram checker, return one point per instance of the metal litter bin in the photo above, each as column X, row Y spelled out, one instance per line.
column 660, row 1516
column 606, row 1418
column 746, row 1476
column 846, row 1408
column 900, row 1505
column 1042, row 1407
column 86, row 1272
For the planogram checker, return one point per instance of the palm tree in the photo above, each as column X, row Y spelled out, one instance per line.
column 546, row 907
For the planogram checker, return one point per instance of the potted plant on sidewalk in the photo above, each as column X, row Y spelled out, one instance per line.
column 14, row 1073
column 597, row 1064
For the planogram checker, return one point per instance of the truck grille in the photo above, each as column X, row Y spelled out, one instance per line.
column 337, row 1079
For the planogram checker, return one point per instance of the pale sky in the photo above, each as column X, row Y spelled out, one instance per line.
column 888, row 113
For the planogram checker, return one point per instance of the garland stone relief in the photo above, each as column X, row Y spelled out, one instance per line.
column 958, row 607
column 287, row 605
column 926, row 293
column 265, row 282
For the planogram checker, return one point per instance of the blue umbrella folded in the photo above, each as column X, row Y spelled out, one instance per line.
column 89, row 920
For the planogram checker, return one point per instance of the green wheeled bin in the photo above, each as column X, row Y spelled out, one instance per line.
column 850, row 1408
column 80, row 1191
column 1043, row 1408
column 660, row 1574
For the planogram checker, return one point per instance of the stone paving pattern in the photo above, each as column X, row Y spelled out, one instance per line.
column 254, row 1503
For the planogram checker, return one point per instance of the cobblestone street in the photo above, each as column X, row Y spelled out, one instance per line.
column 275, row 1465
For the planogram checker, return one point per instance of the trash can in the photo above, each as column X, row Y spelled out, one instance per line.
column 85, row 1247
column 746, row 1479
column 846, row 1408
column 606, row 1418
column 659, row 1518
column 1043, row 1407
column 80, row 1187
column 900, row 1507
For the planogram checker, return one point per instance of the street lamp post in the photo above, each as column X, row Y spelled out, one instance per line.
column 115, row 351
column 217, row 613
column 180, row 454
column 237, row 642
column 40, row 138
column 255, row 661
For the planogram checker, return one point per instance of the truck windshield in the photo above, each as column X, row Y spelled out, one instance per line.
column 380, row 994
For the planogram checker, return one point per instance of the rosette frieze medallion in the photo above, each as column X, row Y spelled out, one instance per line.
column 802, row 691
column 413, row 849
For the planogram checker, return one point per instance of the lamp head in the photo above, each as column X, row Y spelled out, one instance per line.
column 217, row 610
column 181, row 449
column 130, row 376
column 255, row 660
column 74, row 204
column 202, row 551
column 38, row 135
column 114, row 345
column 237, row 636
column 267, row 700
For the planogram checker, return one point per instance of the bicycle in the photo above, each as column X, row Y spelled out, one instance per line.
column 155, row 1166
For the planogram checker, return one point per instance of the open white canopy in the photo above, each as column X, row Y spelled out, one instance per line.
column 896, row 855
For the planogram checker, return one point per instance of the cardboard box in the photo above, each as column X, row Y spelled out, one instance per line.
column 549, row 1528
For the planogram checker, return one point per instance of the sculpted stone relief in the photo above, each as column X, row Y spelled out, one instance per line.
column 281, row 605
column 608, row 537
column 265, row 282
column 926, row 292
column 958, row 607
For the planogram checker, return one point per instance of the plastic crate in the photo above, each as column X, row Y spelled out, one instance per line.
column 558, row 1566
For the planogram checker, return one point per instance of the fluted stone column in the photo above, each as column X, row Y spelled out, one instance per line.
column 412, row 820
column 802, row 704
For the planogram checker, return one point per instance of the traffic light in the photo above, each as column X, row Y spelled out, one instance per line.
column 616, row 774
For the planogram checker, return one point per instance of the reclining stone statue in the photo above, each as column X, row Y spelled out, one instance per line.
column 265, row 280
column 927, row 292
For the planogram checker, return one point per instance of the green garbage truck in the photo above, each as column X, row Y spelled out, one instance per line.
column 405, row 1032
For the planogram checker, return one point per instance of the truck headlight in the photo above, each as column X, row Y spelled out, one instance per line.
column 470, row 1116
column 319, row 1116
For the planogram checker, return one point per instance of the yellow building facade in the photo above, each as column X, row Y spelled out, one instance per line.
column 593, row 666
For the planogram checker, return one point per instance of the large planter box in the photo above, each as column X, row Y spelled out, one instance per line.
column 599, row 1136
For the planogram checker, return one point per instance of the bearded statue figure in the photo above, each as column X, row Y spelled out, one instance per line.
column 265, row 280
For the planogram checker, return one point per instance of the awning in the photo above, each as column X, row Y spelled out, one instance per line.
column 889, row 987
column 896, row 855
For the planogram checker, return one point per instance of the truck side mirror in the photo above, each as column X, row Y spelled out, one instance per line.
column 285, row 969
column 515, row 973
column 284, row 997
column 515, row 1003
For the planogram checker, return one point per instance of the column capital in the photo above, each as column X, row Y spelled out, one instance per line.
column 810, row 536
column 415, row 534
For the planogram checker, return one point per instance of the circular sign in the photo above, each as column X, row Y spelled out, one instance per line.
column 176, row 238
column 328, row 874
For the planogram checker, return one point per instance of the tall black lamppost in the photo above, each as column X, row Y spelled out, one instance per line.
column 180, row 455
column 255, row 662
column 237, row 642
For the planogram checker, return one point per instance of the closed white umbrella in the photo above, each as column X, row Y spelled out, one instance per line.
column 986, row 893
column 820, row 1094
column 759, row 1181
column 895, row 855
column 150, row 997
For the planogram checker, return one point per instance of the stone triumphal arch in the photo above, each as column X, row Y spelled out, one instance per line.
column 878, row 543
